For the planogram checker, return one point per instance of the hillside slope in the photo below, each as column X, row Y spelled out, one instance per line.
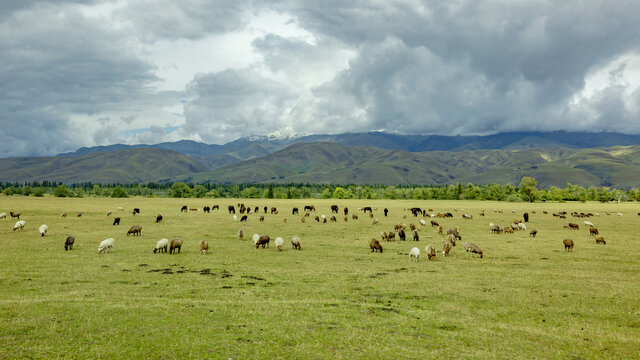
column 122, row 166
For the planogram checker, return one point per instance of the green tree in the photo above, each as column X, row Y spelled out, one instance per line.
column 61, row 191
column 269, row 194
column 528, row 189
column 118, row 192
column 199, row 191
column 181, row 190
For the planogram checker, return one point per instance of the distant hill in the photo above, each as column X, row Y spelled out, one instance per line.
column 216, row 156
column 325, row 162
column 121, row 166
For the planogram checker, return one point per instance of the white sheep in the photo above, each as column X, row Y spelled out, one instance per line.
column 588, row 223
column 619, row 214
column 295, row 242
column 256, row 237
column 422, row 222
column 235, row 217
column 491, row 225
column 279, row 242
column 106, row 244
column 43, row 229
column 375, row 221
column 522, row 226
column 3, row 215
column 161, row 246
column 19, row 225
column 120, row 208
column 414, row 254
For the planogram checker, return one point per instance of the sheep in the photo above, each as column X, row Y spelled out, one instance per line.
column 79, row 214
column 446, row 248
column 184, row 208
column 19, row 225
column 414, row 254
column 241, row 234
column 63, row 215
column 452, row 239
column 375, row 221
column 235, row 217
column 533, row 233
column 431, row 251
column 333, row 218
column 68, row 242
column 161, row 246
column 416, row 235
column 261, row 219
column 263, row 240
column 295, row 242
column 120, row 208
column 243, row 218
column 472, row 249
column 593, row 231
column 135, row 211
column 14, row 215
column 434, row 223
column 43, row 229
column 402, row 235
column 354, row 217
column 175, row 244
column 116, row 221
column 108, row 213
column 105, row 245
column 135, row 230
column 522, row 226
column 600, row 240
column 159, row 218
column 374, row 244
column 3, row 215
column 256, row 237
column 302, row 219
column 467, row 216
column 384, row 236
column 589, row 223
column 423, row 222
column 204, row 246
column 568, row 244
column 619, row 214
column 279, row 242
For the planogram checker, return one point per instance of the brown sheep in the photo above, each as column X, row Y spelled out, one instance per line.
column 63, row 215
column 472, row 249
column 354, row 217
column 204, row 246
column 431, row 251
column 509, row 230
column 416, row 235
column 374, row 244
column 317, row 218
column 568, row 244
column 452, row 239
column 159, row 218
column 274, row 211
column 263, row 240
column 14, row 215
column 184, row 208
column 302, row 219
column 135, row 230
column 333, row 218
column 440, row 230
column 116, row 221
column 434, row 223
column 600, row 240
column 261, row 218
column 391, row 236
column 533, row 233
column 384, row 236
column 240, row 234
column 79, row 214
column 593, row 231
column 402, row 235
column 334, row 209
column 175, row 244
column 68, row 243
column 446, row 248
column 346, row 218
column 295, row 243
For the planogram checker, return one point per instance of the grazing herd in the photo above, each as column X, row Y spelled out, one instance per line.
column 450, row 237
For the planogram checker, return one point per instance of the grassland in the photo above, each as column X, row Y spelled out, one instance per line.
column 527, row 298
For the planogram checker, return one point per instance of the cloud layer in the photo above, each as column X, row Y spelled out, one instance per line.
column 83, row 73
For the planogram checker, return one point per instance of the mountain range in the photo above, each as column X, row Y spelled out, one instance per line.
column 553, row 158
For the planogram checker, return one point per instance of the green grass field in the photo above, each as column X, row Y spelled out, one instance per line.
column 527, row 298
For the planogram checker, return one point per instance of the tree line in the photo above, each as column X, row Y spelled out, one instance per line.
column 528, row 190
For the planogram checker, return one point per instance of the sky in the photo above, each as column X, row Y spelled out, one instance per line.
column 79, row 73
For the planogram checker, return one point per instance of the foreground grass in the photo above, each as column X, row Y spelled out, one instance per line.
column 526, row 298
